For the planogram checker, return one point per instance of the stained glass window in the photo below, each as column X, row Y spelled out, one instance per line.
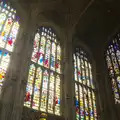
column 113, row 63
column 8, row 32
column 85, row 100
column 43, row 86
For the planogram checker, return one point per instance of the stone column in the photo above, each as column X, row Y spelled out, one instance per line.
column 68, row 76
column 12, row 96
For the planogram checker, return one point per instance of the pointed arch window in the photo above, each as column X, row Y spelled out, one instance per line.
column 85, row 98
column 43, row 87
column 112, row 56
column 9, row 27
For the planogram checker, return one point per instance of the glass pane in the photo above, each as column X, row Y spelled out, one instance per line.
column 87, row 73
column 2, row 20
column 91, row 111
column 4, row 61
column 94, row 105
column 53, row 56
column 12, row 37
column 51, row 93
column 83, row 72
column 29, row 88
column 57, row 65
column 75, row 68
column 42, row 50
column 86, row 104
column 77, row 103
column 57, row 96
column 82, row 113
column 47, row 54
column 79, row 70
column 35, row 53
column 44, row 91
column 36, row 97
column 6, row 30
column 2, row 23
column 91, row 77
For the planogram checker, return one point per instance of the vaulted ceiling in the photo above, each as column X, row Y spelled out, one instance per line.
column 94, row 20
column 56, row 10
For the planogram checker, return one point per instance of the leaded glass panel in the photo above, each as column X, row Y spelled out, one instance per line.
column 43, row 87
column 112, row 56
column 9, row 27
column 85, row 100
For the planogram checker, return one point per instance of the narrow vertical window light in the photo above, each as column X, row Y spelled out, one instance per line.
column 112, row 56
column 85, row 100
column 43, row 86
column 8, row 32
